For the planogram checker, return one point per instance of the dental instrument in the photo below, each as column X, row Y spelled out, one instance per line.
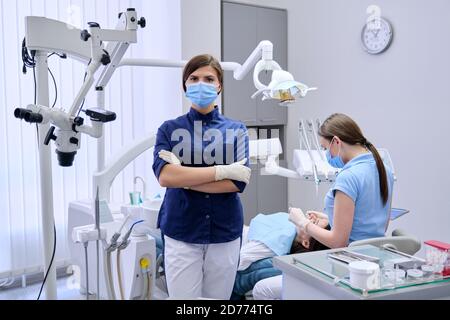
column 97, row 242
column 304, row 138
column 87, row 269
column 313, row 131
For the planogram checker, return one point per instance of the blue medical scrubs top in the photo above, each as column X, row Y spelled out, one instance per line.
column 201, row 141
column 360, row 181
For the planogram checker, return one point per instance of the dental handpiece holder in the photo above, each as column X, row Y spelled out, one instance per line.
column 147, row 211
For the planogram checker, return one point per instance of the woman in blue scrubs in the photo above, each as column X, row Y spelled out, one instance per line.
column 202, row 160
column 357, row 206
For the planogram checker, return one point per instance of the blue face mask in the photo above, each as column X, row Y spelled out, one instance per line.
column 202, row 94
column 335, row 162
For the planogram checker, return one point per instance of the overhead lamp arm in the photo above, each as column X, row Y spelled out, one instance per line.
column 264, row 52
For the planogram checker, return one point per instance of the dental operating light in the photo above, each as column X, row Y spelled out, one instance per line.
column 283, row 87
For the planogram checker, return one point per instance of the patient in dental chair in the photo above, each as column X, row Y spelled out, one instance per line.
column 268, row 236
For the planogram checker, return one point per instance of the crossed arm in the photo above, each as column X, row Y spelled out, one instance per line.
column 197, row 179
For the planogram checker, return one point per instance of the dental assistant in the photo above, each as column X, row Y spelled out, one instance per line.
column 357, row 206
column 202, row 160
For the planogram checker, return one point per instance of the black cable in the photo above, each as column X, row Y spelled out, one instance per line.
column 81, row 108
column 28, row 61
column 84, row 79
column 35, row 98
column 62, row 56
column 35, row 85
column 51, row 262
column 87, row 268
column 56, row 88
column 84, row 100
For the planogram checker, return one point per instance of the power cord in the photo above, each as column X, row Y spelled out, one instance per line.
column 27, row 58
column 62, row 56
column 51, row 262
column 35, row 98
column 56, row 88
column 84, row 100
column 29, row 62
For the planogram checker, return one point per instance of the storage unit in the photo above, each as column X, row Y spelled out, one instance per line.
column 243, row 27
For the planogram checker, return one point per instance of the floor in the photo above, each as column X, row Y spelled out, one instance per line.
column 67, row 290
column 31, row 292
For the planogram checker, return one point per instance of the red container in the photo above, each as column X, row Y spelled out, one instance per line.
column 438, row 253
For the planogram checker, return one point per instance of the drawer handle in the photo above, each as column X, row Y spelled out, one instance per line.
column 268, row 120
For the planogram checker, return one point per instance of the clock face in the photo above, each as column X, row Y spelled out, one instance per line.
column 376, row 36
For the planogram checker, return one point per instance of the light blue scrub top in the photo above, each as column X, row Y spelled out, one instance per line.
column 359, row 180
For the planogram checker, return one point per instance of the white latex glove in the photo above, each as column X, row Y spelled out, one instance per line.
column 169, row 157
column 316, row 215
column 235, row 171
column 297, row 217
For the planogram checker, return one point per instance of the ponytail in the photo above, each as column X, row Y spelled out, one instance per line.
column 384, row 188
column 347, row 130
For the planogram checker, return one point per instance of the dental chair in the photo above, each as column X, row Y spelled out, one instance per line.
column 399, row 241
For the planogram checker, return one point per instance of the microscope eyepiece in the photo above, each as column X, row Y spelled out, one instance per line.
column 32, row 117
column 20, row 113
column 28, row 115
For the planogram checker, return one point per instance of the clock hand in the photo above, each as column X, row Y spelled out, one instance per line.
column 376, row 34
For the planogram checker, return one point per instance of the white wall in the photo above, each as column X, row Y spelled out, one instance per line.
column 399, row 98
column 201, row 31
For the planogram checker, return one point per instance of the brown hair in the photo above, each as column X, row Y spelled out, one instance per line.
column 201, row 61
column 314, row 245
column 344, row 127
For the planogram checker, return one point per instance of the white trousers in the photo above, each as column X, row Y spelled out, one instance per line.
column 197, row 270
column 268, row 289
